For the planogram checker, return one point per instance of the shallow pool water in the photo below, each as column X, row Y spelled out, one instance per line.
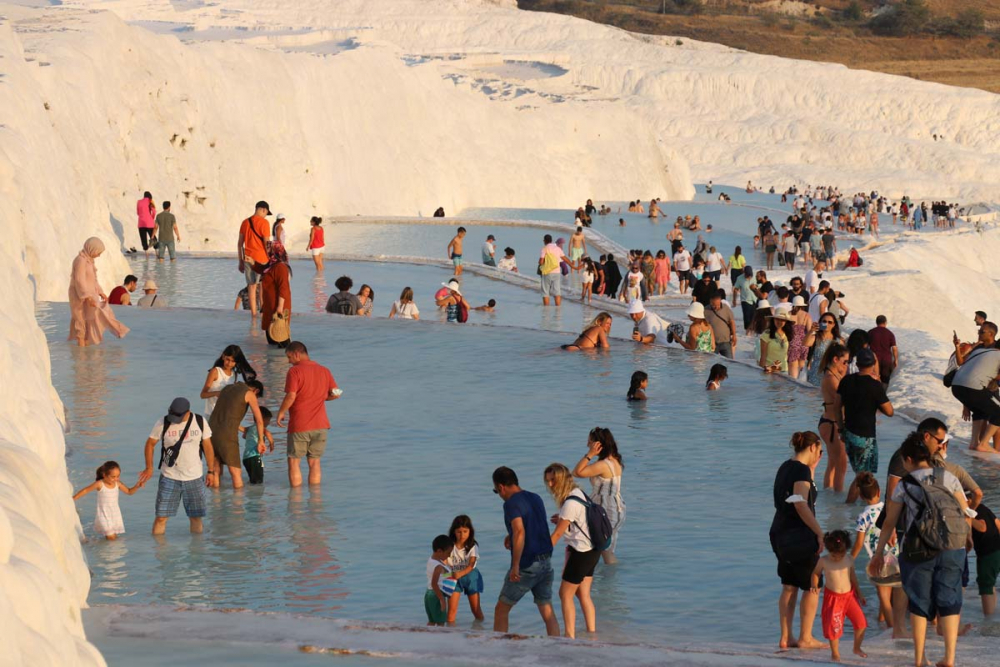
column 429, row 410
column 431, row 240
column 214, row 283
column 732, row 225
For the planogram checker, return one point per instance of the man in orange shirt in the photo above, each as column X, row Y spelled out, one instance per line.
column 252, row 250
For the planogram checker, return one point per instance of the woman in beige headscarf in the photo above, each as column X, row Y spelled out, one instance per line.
column 90, row 314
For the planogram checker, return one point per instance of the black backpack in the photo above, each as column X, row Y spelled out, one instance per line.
column 170, row 454
column 598, row 523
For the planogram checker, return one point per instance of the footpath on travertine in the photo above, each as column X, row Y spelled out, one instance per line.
column 244, row 630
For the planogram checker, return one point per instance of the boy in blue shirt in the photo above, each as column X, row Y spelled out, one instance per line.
column 254, row 447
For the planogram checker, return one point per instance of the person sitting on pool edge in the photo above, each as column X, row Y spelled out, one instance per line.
column 594, row 336
column 120, row 295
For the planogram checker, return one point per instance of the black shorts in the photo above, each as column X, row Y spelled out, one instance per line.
column 798, row 573
column 983, row 403
column 255, row 469
column 683, row 275
column 579, row 565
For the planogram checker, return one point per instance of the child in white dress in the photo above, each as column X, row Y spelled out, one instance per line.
column 108, row 521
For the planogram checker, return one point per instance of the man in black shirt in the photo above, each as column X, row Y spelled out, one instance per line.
column 862, row 396
column 703, row 290
column 612, row 277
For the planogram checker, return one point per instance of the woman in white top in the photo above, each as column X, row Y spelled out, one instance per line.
column 223, row 373
column 605, row 476
column 509, row 261
column 404, row 308
column 581, row 556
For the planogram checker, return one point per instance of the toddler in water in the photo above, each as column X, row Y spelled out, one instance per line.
column 868, row 534
column 716, row 376
column 254, row 447
column 435, row 600
column 463, row 562
column 108, row 521
column 636, row 390
column 841, row 595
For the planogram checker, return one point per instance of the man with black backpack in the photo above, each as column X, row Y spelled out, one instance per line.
column 183, row 436
column 933, row 509
column 343, row 302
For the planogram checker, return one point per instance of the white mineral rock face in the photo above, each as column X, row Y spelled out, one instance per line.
column 391, row 107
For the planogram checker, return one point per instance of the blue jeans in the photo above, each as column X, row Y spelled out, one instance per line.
column 166, row 245
column 934, row 586
column 536, row 578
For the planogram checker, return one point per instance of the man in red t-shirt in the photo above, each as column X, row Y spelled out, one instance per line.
column 883, row 343
column 252, row 250
column 308, row 386
column 120, row 295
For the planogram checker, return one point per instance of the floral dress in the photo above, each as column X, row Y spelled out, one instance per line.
column 814, row 375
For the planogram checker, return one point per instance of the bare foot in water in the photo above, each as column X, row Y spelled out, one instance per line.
column 811, row 643
column 964, row 630
column 858, row 652
column 788, row 643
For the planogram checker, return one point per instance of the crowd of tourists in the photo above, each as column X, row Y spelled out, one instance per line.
column 915, row 533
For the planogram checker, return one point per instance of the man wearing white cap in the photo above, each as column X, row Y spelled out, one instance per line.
column 649, row 327
column 151, row 298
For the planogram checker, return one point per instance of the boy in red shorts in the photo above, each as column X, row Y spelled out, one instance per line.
column 841, row 595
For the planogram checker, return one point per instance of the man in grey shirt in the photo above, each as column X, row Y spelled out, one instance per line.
column 720, row 317
column 151, row 299
column 975, row 386
column 166, row 232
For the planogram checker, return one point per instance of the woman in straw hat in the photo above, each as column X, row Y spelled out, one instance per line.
column 774, row 344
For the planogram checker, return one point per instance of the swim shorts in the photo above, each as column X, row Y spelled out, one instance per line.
column 861, row 452
column 435, row 614
column 575, row 254
column 456, row 260
column 837, row 606
column 987, row 570
column 170, row 491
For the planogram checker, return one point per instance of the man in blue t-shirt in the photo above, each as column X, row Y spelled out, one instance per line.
column 530, row 552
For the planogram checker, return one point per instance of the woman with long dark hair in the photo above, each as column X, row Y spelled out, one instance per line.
column 605, row 474
column 230, row 364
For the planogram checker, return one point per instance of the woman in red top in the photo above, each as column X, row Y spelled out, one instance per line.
column 316, row 242
column 276, row 297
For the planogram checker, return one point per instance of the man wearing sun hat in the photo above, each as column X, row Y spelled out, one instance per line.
column 151, row 299
column 649, row 327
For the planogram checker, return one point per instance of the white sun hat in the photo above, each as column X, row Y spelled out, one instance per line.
column 697, row 311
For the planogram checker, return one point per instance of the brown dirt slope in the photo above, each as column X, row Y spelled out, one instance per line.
column 757, row 27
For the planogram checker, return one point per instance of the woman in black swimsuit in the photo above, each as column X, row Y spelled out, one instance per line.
column 834, row 368
column 594, row 336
